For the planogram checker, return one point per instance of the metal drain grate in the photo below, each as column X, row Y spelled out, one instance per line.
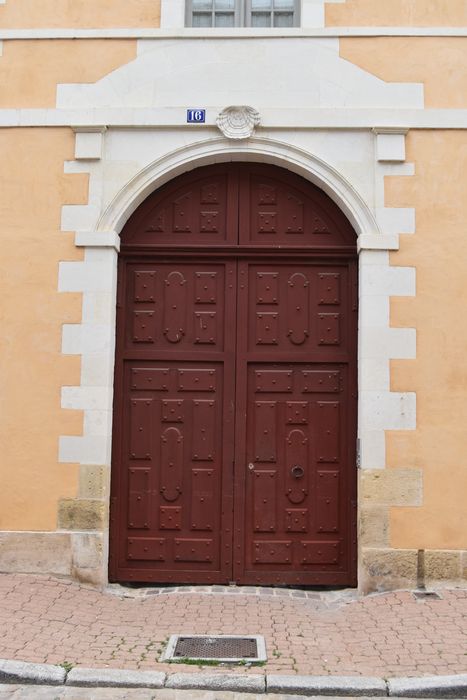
column 231, row 649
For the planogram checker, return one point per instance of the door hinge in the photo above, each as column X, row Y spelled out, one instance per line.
column 358, row 455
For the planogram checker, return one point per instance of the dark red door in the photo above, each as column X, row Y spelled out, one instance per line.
column 235, row 384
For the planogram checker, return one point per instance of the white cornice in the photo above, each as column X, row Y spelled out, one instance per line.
column 385, row 120
column 239, row 33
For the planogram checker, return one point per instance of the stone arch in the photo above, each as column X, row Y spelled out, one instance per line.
column 256, row 149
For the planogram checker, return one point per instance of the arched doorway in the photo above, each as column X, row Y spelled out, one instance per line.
column 235, row 384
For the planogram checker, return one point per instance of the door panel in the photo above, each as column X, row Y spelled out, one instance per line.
column 296, row 420
column 174, row 433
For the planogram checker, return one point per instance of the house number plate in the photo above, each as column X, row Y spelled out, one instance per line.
column 196, row 116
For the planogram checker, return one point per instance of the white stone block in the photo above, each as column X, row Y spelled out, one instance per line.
column 97, row 423
column 97, row 370
column 84, row 277
column 390, row 147
column 378, row 241
column 93, row 449
column 78, row 217
column 71, row 339
column 372, row 449
column 172, row 14
column 95, row 338
column 374, row 374
column 389, row 343
column 312, row 14
column 87, row 397
column 97, row 239
column 393, row 281
column 373, row 257
column 374, row 312
column 396, row 220
column 99, row 307
column 88, row 145
column 387, row 411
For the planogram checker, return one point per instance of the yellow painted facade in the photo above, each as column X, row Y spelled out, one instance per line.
column 439, row 374
column 437, row 62
column 398, row 13
column 25, row 14
column 418, row 502
column 33, row 369
column 61, row 61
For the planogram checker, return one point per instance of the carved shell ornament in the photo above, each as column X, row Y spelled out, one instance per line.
column 238, row 122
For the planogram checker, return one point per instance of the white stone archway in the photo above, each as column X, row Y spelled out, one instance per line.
column 96, row 277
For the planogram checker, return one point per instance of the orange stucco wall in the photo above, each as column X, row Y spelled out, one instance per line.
column 33, row 370
column 439, row 374
column 437, row 62
column 438, row 251
column 402, row 13
column 31, row 70
column 82, row 14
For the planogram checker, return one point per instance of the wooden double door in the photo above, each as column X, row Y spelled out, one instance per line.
column 235, row 385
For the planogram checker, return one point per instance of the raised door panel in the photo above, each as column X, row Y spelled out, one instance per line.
column 281, row 209
column 198, row 208
column 298, row 310
column 175, row 307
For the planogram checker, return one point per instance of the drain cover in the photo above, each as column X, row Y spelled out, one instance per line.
column 225, row 648
column 426, row 595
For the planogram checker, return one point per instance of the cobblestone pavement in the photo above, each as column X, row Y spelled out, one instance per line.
column 51, row 620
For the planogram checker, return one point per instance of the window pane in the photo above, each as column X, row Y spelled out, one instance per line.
column 260, row 19
column 260, row 4
column 202, row 19
column 225, row 19
column 225, row 4
column 201, row 4
column 284, row 5
column 283, row 19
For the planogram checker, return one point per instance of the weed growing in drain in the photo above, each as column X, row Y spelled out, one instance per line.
column 215, row 662
column 195, row 662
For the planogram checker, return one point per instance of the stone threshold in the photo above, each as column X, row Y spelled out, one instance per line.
column 325, row 597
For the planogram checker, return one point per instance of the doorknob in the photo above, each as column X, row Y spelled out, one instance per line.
column 251, row 466
column 297, row 471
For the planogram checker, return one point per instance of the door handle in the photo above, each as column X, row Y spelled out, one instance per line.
column 297, row 471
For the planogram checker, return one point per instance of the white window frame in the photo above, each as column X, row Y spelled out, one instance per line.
column 242, row 14
column 237, row 15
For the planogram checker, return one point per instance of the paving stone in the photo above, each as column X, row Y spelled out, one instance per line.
column 246, row 683
column 429, row 687
column 115, row 678
column 22, row 672
column 326, row 633
column 327, row 685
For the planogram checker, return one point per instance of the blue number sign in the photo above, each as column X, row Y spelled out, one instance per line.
column 196, row 116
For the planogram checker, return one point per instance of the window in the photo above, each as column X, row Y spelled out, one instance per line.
column 242, row 13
